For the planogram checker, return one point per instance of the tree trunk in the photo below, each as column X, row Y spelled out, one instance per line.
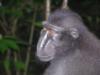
column 65, row 4
column 47, row 8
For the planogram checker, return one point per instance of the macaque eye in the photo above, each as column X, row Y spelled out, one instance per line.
column 50, row 31
column 56, row 37
column 53, row 34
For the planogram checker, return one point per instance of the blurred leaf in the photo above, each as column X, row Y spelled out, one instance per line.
column 17, row 2
column 10, row 38
column 12, row 44
column 15, row 12
column 6, row 43
column 11, row 11
column 38, row 1
column 19, row 65
column 6, row 64
column 13, row 3
column 38, row 24
column 3, row 48
column 2, row 10
column 28, row 8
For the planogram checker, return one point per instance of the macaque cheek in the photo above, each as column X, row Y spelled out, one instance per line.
column 47, row 53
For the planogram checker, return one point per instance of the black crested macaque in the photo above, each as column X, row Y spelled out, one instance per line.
column 69, row 46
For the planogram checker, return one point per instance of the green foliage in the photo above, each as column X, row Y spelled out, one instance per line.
column 19, row 65
column 11, row 8
column 6, row 64
column 3, row 47
column 38, row 24
column 8, row 43
column 28, row 8
column 15, row 12
column 38, row 1
column 2, row 10
column 16, row 2
column 11, row 11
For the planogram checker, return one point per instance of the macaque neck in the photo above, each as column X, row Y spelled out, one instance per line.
column 70, row 53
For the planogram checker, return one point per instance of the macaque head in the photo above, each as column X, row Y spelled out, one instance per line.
column 55, row 41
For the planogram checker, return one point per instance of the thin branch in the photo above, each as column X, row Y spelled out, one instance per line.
column 30, row 42
column 8, row 72
column 13, row 31
column 24, row 43
column 3, row 27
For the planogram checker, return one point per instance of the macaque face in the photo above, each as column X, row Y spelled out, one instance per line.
column 50, row 38
column 54, row 41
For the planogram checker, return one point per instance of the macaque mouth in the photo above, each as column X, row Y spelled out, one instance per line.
column 53, row 27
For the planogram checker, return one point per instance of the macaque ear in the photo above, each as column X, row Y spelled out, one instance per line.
column 74, row 33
